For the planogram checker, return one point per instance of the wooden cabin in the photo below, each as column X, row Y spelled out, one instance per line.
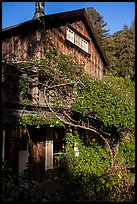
column 72, row 34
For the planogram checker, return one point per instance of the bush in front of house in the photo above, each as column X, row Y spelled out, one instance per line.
column 127, row 151
column 87, row 169
column 91, row 171
column 118, row 184
column 15, row 188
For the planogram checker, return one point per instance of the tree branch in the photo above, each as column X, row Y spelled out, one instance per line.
column 82, row 127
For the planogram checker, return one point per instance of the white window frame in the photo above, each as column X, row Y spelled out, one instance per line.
column 76, row 39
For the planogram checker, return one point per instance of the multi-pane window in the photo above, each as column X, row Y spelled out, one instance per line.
column 76, row 39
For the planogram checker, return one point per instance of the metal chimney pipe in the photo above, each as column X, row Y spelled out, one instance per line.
column 40, row 6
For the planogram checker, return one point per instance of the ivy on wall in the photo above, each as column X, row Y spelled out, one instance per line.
column 33, row 120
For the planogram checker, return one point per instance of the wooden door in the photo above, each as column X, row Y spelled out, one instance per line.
column 23, row 152
column 23, row 159
column 39, row 160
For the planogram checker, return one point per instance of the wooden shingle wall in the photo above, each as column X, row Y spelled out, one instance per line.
column 29, row 45
column 93, row 64
column 20, row 47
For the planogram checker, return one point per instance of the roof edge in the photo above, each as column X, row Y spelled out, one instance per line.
column 75, row 13
column 96, row 38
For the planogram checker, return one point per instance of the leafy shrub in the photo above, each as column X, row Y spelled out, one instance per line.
column 118, row 184
column 126, row 155
column 91, row 171
column 88, row 168
column 103, row 102
column 16, row 188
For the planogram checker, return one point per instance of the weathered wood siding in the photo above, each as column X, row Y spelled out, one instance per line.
column 92, row 63
column 20, row 47
column 28, row 45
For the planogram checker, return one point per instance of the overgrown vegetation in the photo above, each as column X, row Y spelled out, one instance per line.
column 101, row 116
column 106, row 104
column 92, row 172
column 18, row 188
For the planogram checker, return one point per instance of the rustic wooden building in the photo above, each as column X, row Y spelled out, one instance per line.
column 71, row 33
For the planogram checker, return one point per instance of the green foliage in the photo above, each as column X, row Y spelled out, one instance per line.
column 111, row 103
column 105, row 103
column 89, row 165
column 118, row 184
column 23, row 86
column 92, row 172
column 69, row 66
column 98, row 23
column 33, row 120
column 123, row 86
column 58, row 160
column 120, row 49
column 17, row 188
column 126, row 155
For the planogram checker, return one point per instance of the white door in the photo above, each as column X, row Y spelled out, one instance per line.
column 49, row 149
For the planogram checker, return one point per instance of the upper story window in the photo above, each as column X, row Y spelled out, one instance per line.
column 76, row 39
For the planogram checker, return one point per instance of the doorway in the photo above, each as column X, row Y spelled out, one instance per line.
column 48, row 147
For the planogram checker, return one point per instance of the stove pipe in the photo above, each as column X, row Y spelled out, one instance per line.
column 39, row 10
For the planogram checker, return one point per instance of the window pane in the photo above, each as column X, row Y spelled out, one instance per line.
column 70, row 35
column 77, row 40
column 84, row 45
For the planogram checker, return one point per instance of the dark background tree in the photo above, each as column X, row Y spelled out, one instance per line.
column 98, row 23
column 119, row 47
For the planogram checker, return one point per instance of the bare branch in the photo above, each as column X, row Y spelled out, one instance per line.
column 58, row 85
column 69, row 117
column 116, row 151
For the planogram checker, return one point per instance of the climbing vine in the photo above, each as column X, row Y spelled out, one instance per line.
column 33, row 120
